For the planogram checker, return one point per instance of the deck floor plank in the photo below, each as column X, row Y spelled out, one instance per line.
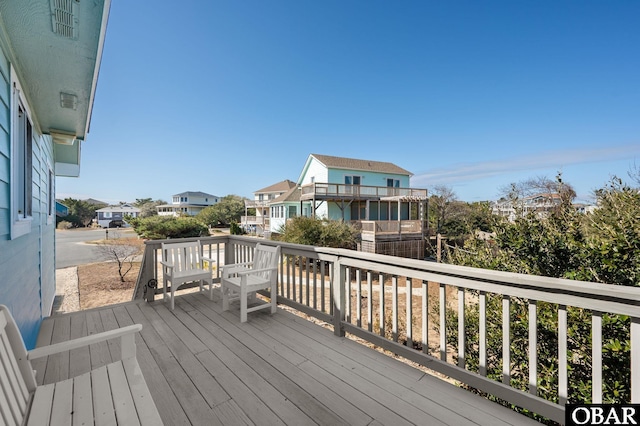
column 203, row 366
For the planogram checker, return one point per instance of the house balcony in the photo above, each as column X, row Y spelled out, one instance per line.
column 205, row 367
column 390, row 230
column 337, row 192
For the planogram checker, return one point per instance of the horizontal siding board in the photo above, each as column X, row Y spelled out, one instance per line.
column 21, row 291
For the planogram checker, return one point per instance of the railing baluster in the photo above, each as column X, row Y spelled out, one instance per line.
column 461, row 331
column 506, row 340
column 533, row 348
column 482, row 338
column 369, row 301
column 358, row 299
column 301, row 265
column 381, row 297
column 409, row 309
column 394, row 301
column 443, row 319
column 562, row 355
column 425, row 317
column 347, row 308
column 635, row 360
column 306, row 282
column 315, row 284
column 596, row 357
column 322, row 284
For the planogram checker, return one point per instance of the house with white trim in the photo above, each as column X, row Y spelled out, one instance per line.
column 261, row 220
column 188, row 203
column 50, row 55
column 114, row 216
column 373, row 195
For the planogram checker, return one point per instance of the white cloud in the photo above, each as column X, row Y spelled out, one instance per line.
column 465, row 172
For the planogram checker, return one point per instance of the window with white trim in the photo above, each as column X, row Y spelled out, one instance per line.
column 22, row 167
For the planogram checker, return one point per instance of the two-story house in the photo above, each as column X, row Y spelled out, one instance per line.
column 261, row 221
column 114, row 216
column 188, row 203
column 50, row 56
column 374, row 195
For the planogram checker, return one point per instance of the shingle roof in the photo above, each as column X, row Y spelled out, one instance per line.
column 284, row 185
column 365, row 165
column 194, row 194
column 291, row 195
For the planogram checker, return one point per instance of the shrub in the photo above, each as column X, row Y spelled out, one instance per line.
column 319, row 232
column 163, row 227
column 63, row 224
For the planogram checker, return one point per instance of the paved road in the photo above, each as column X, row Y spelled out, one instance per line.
column 71, row 249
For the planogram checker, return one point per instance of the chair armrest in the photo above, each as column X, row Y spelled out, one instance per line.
column 234, row 265
column 208, row 260
column 167, row 264
column 255, row 271
column 125, row 333
column 233, row 268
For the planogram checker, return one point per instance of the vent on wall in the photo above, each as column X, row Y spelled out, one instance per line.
column 64, row 17
column 67, row 100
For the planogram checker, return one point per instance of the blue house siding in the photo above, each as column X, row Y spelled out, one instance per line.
column 5, row 143
column 27, row 263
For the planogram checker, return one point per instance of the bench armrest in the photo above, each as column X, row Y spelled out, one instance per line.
column 255, row 271
column 128, row 344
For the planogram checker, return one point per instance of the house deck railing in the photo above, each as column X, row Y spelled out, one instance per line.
column 328, row 190
column 399, row 227
column 405, row 305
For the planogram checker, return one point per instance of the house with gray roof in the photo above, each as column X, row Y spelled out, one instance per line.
column 373, row 195
column 188, row 203
column 260, row 221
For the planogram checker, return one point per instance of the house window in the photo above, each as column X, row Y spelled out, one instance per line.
column 293, row 211
column 51, row 198
column 22, row 166
column 393, row 183
column 352, row 180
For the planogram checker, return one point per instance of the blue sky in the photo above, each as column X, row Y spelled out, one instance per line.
column 228, row 97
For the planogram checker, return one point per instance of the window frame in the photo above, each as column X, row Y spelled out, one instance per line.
column 22, row 136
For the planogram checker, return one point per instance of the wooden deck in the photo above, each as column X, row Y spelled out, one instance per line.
column 204, row 367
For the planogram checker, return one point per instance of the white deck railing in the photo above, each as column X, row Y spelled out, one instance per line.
column 363, row 294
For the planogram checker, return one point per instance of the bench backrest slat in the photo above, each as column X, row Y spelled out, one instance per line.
column 183, row 256
column 266, row 257
column 14, row 386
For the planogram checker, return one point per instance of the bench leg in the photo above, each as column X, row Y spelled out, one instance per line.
column 225, row 298
column 274, row 298
column 243, row 304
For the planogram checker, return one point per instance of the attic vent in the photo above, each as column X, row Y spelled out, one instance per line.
column 67, row 100
column 64, row 17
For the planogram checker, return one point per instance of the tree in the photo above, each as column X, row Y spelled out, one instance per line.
column 122, row 250
column 319, row 232
column 601, row 247
column 148, row 207
column 538, row 185
column 230, row 209
column 81, row 212
column 440, row 202
column 163, row 227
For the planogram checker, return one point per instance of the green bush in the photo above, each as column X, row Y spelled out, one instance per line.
column 600, row 247
column 319, row 232
column 163, row 227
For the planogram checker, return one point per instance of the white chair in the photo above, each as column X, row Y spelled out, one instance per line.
column 240, row 281
column 115, row 393
column 183, row 263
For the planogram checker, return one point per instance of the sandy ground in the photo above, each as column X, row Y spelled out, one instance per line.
column 93, row 285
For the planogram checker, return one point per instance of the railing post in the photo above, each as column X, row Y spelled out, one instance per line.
column 339, row 298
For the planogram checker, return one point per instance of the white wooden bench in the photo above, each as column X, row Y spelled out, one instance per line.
column 112, row 394
column 240, row 281
column 183, row 263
